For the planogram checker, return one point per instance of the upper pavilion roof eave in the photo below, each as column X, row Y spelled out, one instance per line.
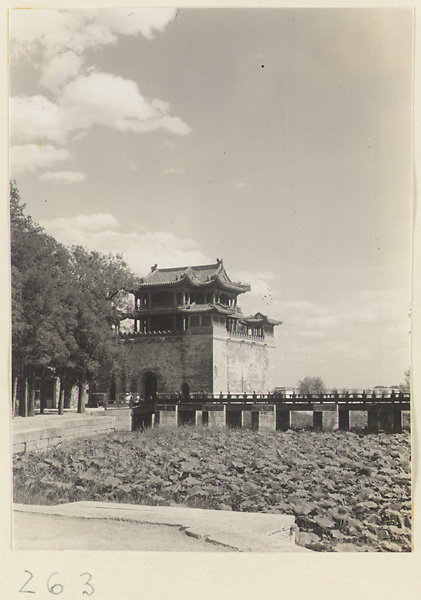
column 230, row 286
column 209, row 308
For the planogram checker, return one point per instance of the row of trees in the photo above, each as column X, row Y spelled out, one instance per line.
column 315, row 385
column 67, row 304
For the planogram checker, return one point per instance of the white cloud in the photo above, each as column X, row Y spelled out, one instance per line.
column 80, row 225
column 262, row 296
column 49, row 32
column 43, row 35
column 32, row 157
column 140, row 249
column 36, row 118
column 240, row 185
column 54, row 43
column 259, row 282
column 60, row 70
column 63, row 176
column 349, row 333
column 134, row 21
column 94, row 99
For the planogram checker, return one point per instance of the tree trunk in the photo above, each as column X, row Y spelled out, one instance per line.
column 23, row 394
column 68, row 395
column 14, row 394
column 31, row 395
column 61, row 396
column 81, row 398
column 42, row 394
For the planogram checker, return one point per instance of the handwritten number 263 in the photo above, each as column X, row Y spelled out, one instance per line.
column 57, row 588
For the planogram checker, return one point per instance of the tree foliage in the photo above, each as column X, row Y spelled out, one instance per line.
column 311, row 385
column 406, row 385
column 66, row 308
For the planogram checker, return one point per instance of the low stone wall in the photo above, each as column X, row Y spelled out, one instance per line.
column 40, row 435
column 122, row 418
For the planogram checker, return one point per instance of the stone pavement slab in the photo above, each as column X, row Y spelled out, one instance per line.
column 210, row 529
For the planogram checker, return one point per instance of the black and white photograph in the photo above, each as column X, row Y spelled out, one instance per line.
column 211, row 229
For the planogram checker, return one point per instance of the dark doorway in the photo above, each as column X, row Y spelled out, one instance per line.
column 344, row 420
column 318, row 420
column 283, row 420
column 151, row 386
column 233, row 419
column 141, row 421
column 255, row 420
column 186, row 417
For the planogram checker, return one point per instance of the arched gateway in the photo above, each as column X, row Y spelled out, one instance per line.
column 150, row 385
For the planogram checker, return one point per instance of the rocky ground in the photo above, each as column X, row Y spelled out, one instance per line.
column 348, row 491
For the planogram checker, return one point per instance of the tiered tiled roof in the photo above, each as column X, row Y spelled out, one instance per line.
column 201, row 276
column 259, row 319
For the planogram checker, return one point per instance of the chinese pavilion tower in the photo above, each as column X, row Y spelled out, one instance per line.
column 189, row 334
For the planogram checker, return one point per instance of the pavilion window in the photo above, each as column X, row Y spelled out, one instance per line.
column 162, row 298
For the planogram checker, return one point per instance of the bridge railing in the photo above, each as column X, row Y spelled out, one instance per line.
column 278, row 398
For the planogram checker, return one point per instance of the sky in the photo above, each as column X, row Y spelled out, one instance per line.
column 277, row 139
